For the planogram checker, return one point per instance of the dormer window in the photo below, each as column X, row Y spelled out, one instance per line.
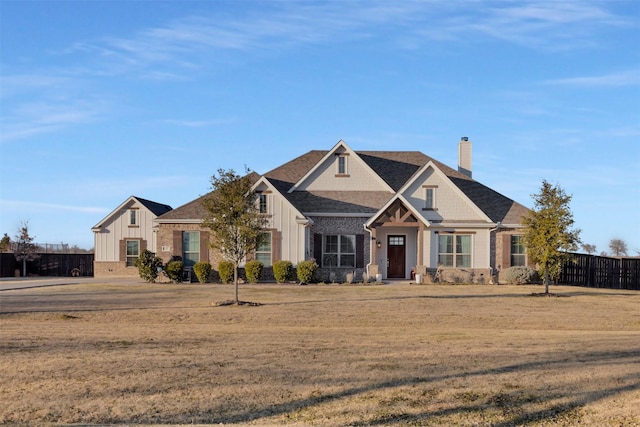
column 342, row 165
column 429, row 197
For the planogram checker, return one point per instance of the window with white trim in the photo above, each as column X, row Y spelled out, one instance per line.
column 133, row 252
column 454, row 250
column 339, row 250
column 263, row 250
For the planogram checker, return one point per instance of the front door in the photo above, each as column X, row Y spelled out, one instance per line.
column 396, row 252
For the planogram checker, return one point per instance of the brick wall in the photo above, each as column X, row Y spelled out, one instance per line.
column 502, row 255
column 113, row 268
column 166, row 248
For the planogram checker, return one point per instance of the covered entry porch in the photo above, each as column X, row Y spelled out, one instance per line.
column 398, row 244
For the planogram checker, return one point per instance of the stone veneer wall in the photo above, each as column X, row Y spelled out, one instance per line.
column 342, row 226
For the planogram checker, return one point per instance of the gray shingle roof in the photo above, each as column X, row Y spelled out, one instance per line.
column 194, row 210
column 394, row 167
column 368, row 202
column 157, row 208
column 189, row 211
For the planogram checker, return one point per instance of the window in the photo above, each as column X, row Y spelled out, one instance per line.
column 454, row 250
column 133, row 216
column 133, row 252
column 518, row 251
column 429, row 197
column 339, row 251
column 263, row 251
column 396, row 241
column 190, row 248
column 263, row 203
column 343, row 166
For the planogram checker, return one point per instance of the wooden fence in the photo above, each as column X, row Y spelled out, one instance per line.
column 601, row 272
column 48, row 264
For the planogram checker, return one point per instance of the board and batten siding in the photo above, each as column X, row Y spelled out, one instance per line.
column 117, row 228
column 283, row 219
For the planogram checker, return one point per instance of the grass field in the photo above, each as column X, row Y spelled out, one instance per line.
column 320, row 355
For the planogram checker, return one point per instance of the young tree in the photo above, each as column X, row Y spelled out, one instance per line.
column 549, row 235
column 618, row 247
column 234, row 218
column 25, row 249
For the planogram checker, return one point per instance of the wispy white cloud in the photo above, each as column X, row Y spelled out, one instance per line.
column 34, row 118
column 26, row 205
column 547, row 25
column 191, row 45
column 282, row 25
column 623, row 78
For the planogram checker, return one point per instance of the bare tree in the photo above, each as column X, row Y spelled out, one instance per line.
column 25, row 249
column 618, row 247
column 588, row 248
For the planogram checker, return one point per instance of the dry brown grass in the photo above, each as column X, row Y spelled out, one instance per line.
column 320, row 355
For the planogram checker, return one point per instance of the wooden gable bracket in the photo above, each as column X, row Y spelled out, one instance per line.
column 397, row 215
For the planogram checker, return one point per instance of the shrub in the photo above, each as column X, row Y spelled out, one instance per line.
column 202, row 270
column 225, row 269
column 148, row 264
column 306, row 271
column 175, row 270
column 521, row 275
column 350, row 277
column 282, row 271
column 253, row 271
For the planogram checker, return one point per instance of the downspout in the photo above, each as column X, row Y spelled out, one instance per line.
column 491, row 230
column 370, row 249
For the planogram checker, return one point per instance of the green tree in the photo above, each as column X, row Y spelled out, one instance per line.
column 25, row 249
column 5, row 243
column 550, row 234
column 234, row 218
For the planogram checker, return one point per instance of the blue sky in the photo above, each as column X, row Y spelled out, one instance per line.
column 101, row 100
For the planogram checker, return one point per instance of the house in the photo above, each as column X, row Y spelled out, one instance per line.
column 123, row 234
column 390, row 213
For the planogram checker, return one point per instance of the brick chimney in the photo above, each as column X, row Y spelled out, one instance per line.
column 464, row 156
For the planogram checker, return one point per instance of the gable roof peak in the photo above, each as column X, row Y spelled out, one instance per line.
column 157, row 209
column 341, row 148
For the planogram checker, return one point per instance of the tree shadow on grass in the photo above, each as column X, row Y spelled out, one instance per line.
column 511, row 405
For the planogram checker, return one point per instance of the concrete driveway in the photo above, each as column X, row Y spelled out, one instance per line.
column 12, row 283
